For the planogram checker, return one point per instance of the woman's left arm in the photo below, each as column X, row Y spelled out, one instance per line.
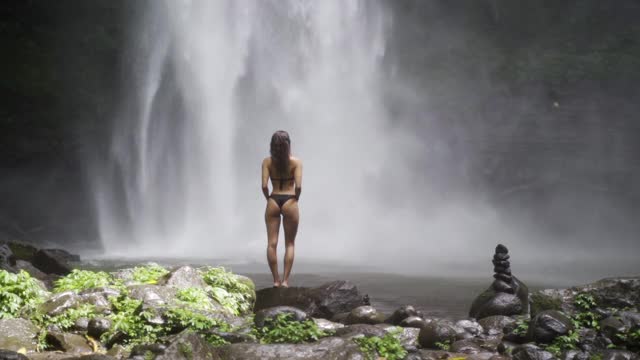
column 265, row 179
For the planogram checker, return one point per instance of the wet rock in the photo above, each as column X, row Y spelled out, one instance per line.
column 325, row 324
column 611, row 327
column 548, row 325
column 331, row 348
column 81, row 324
column 324, row 301
column 184, row 277
column 401, row 314
column 544, row 300
column 619, row 355
column 5, row 258
column 495, row 325
column 364, row 315
column 18, row 333
column 55, row 261
column 11, row 355
column 506, row 296
column 341, row 317
column 98, row 326
column 575, row 355
column 414, row 322
column 69, row 343
column 437, row 332
column 470, row 327
column 360, row 329
column 59, row 303
column 264, row 314
column 467, row 346
column 99, row 297
column 506, row 347
column 152, row 296
column 118, row 352
column 147, row 350
column 530, row 352
column 621, row 292
column 630, row 319
column 22, row 251
column 409, row 337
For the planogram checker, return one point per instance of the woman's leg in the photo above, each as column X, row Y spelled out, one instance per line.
column 272, row 219
column 291, row 217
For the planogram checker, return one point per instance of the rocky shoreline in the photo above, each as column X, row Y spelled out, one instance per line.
column 51, row 310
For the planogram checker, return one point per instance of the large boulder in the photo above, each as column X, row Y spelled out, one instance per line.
column 548, row 325
column 61, row 302
column 438, row 331
column 621, row 292
column 496, row 324
column 364, row 315
column 16, row 334
column 330, row 348
column 69, row 343
column 55, row 261
column 184, row 277
column 188, row 346
column 401, row 314
column 619, row 355
column 360, row 330
column 324, row 301
column 5, row 257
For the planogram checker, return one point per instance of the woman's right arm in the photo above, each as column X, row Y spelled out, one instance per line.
column 298, row 179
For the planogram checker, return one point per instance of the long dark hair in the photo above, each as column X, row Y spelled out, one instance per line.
column 280, row 151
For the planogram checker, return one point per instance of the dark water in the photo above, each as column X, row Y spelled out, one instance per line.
column 435, row 296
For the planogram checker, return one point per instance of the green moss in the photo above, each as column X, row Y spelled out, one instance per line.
column 541, row 302
column 186, row 349
column 22, row 251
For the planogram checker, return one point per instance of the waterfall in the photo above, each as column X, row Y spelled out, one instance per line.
column 207, row 84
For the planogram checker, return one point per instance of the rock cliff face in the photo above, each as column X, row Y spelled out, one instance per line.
column 506, row 296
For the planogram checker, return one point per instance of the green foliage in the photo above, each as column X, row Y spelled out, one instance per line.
column 387, row 347
column 564, row 343
column 584, row 302
column 129, row 318
column 186, row 349
column 18, row 292
column 148, row 274
column 522, row 327
column 586, row 319
column 284, row 329
column 228, row 290
column 79, row 280
column 446, row 345
column 597, row 356
column 184, row 318
column 196, row 298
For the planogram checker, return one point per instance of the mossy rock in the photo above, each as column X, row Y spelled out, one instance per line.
column 540, row 301
column 22, row 251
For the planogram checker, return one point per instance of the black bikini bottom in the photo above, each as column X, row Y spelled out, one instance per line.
column 281, row 198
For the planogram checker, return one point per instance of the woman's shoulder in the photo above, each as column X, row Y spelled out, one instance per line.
column 267, row 160
column 295, row 160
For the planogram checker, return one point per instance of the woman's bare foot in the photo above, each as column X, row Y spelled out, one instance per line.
column 277, row 284
column 285, row 283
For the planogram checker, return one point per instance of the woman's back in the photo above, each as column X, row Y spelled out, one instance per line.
column 283, row 182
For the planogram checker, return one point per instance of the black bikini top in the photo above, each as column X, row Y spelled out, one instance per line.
column 282, row 180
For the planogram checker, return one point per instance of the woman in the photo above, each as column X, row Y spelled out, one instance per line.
column 285, row 172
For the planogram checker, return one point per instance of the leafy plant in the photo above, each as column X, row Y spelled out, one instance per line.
column 586, row 319
column 79, row 280
column 148, row 274
column 184, row 318
column 69, row 317
column 585, row 302
column 129, row 318
column 387, row 347
column 18, row 292
column 229, row 290
column 445, row 346
column 284, row 329
column 194, row 297
column 522, row 327
column 563, row 343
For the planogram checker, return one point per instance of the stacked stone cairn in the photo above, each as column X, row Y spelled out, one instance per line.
column 503, row 280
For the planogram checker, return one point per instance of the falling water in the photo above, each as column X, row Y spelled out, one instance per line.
column 210, row 81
